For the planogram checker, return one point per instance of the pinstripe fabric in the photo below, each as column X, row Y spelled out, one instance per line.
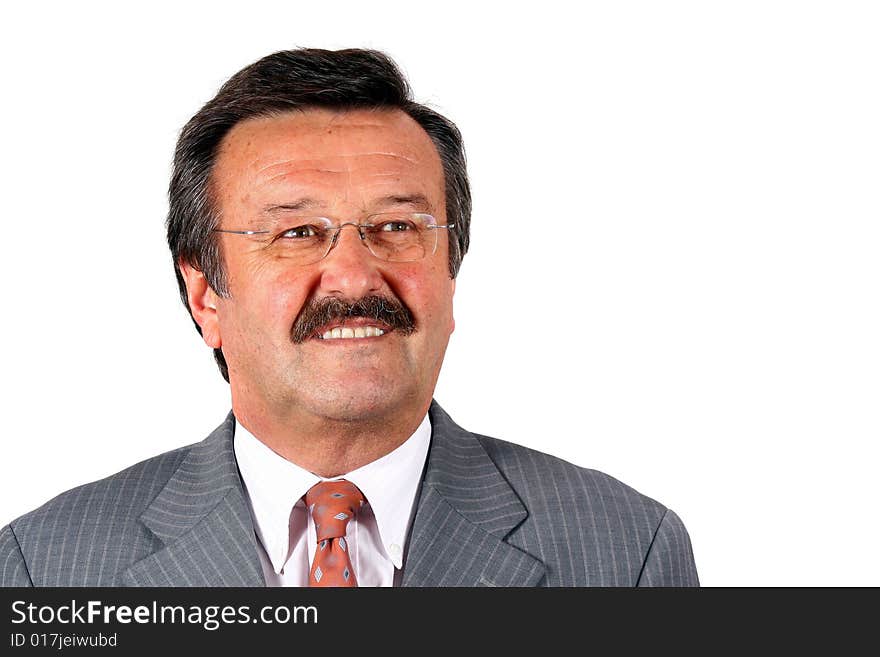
column 12, row 569
column 489, row 514
column 496, row 514
column 179, row 519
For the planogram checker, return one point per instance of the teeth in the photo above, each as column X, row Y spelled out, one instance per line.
column 359, row 332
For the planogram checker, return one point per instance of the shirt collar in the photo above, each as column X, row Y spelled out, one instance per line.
column 274, row 485
column 391, row 484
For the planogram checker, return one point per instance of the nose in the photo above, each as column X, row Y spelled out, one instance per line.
column 350, row 270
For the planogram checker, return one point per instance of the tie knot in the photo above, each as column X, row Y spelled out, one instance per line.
column 332, row 504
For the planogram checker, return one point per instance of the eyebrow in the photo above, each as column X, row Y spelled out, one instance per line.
column 299, row 204
column 416, row 200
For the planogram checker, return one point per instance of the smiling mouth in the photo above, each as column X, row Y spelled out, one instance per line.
column 352, row 328
column 377, row 316
column 347, row 332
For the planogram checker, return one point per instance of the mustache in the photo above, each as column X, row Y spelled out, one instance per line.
column 319, row 312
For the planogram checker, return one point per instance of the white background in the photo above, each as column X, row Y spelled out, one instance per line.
column 702, row 321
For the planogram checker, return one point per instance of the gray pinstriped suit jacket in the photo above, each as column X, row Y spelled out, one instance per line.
column 489, row 513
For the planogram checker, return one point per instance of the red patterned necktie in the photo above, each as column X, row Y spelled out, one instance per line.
column 332, row 504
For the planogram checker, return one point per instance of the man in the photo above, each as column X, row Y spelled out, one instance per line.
column 318, row 218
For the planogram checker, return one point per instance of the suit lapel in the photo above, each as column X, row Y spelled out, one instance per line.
column 203, row 522
column 466, row 509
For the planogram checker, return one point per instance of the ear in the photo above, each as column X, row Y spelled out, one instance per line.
column 202, row 304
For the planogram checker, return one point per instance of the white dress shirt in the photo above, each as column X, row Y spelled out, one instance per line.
column 285, row 530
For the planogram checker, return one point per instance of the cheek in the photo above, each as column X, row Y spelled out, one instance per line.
column 429, row 296
column 270, row 296
column 286, row 293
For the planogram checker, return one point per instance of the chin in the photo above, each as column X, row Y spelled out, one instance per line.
column 356, row 409
column 358, row 401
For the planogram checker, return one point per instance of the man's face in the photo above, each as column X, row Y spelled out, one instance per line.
column 343, row 166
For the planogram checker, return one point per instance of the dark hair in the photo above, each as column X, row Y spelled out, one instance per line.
column 293, row 80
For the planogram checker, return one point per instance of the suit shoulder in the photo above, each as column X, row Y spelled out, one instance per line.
column 130, row 490
column 532, row 472
column 91, row 534
column 589, row 528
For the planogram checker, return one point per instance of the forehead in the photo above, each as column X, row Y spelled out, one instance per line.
column 329, row 155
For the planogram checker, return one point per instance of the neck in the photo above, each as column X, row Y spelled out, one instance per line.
column 330, row 446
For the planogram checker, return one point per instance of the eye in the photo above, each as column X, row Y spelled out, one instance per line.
column 396, row 226
column 300, row 232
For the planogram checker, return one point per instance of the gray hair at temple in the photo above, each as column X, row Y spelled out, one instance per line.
column 295, row 80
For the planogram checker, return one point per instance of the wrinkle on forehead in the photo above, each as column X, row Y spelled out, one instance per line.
column 413, row 160
column 340, row 158
column 323, row 164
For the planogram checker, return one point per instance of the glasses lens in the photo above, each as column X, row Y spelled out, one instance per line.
column 401, row 237
column 304, row 243
column 395, row 237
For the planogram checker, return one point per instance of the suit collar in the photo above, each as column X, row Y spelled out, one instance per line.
column 465, row 512
column 202, row 521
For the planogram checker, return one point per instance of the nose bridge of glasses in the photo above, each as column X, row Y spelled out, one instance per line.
column 336, row 235
column 358, row 227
